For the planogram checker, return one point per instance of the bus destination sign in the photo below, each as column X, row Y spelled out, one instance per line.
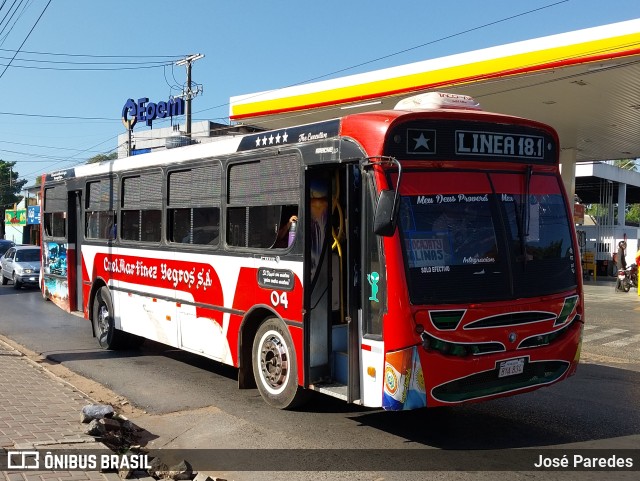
column 496, row 144
column 459, row 140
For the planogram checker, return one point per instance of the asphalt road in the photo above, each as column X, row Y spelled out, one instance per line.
column 596, row 408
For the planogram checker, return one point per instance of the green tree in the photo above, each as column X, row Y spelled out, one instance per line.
column 632, row 211
column 632, row 215
column 626, row 164
column 10, row 188
column 102, row 157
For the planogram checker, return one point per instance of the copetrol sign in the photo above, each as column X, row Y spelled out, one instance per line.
column 146, row 111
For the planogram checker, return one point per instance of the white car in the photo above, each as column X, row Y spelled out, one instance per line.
column 20, row 264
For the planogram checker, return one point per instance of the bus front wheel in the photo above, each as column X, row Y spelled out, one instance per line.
column 274, row 366
column 104, row 325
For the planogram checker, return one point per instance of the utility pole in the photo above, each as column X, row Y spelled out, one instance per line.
column 188, row 93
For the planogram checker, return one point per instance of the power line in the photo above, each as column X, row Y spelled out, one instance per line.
column 12, row 12
column 26, row 38
column 448, row 37
column 167, row 58
column 66, row 117
column 15, row 22
column 155, row 62
column 87, row 69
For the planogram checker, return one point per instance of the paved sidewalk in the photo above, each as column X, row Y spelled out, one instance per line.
column 39, row 411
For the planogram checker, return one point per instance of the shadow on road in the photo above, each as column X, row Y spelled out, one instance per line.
column 597, row 403
column 9, row 290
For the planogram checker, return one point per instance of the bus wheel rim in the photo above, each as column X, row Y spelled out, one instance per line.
column 274, row 362
column 103, row 319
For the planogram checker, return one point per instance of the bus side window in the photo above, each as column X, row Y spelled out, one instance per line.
column 193, row 205
column 263, row 227
column 374, row 272
column 141, row 214
column 262, row 196
column 287, row 229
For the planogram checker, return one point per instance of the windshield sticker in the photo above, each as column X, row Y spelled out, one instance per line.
column 425, row 252
column 458, row 231
column 446, row 199
column 373, row 279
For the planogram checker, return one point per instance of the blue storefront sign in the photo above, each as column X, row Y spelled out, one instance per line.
column 33, row 214
column 145, row 111
column 140, row 151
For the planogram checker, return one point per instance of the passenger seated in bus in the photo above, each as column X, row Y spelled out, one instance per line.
column 113, row 232
column 289, row 219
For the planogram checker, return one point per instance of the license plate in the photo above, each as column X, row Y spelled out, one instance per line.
column 511, row 367
column 32, row 278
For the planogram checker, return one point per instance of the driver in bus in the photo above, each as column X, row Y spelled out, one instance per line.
column 450, row 226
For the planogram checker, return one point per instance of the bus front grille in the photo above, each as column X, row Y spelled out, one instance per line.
column 488, row 383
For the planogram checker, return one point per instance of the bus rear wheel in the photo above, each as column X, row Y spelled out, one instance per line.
column 274, row 366
column 103, row 323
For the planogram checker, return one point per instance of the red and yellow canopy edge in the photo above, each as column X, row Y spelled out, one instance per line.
column 512, row 65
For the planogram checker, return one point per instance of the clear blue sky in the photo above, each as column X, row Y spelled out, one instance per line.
column 249, row 46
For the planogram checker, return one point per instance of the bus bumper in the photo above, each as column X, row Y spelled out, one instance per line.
column 416, row 377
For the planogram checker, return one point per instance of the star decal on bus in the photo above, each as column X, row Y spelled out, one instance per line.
column 421, row 141
column 279, row 138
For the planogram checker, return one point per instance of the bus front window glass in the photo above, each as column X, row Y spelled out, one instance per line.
column 451, row 247
column 541, row 244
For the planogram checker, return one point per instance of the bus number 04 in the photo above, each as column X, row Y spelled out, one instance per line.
column 277, row 299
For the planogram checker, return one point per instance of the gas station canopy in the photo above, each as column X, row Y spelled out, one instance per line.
column 586, row 84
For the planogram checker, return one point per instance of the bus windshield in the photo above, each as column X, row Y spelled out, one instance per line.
column 472, row 237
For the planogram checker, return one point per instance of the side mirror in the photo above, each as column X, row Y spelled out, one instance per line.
column 384, row 222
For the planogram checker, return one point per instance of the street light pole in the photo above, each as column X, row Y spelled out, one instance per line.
column 188, row 93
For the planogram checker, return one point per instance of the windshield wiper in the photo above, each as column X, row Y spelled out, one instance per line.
column 525, row 216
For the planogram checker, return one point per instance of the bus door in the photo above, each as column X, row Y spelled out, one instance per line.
column 317, row 272
column 373, row 297
column 352, row 272
column 332, row 254
column 74, row 256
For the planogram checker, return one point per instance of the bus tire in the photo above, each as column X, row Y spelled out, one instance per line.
column 103, row 323
column 274, row 366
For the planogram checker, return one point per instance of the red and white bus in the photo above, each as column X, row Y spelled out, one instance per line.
column 433, row 259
